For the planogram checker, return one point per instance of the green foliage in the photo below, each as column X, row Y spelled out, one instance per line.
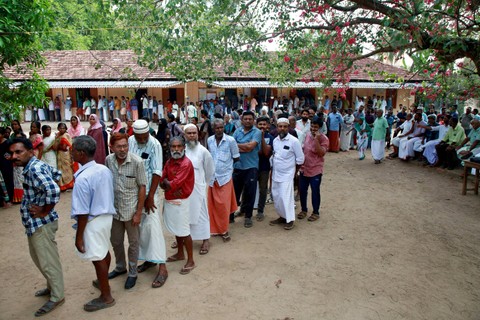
column 21, row 23
column 84, row 25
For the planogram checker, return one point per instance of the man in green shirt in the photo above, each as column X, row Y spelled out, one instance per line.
column 380, row 127
column 471, row 145
column 446, row 149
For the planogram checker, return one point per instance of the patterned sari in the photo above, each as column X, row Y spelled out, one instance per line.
column 64, row 162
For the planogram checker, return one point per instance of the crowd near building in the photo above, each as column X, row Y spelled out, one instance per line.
column 138, row 164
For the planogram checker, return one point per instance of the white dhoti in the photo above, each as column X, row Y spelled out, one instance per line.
column 28, row 115
column 345, row 140
column 96, row 238
column 283, row 199
column 378, row 149
column 199, row 218
column 68, row 114
column 429, row 151
column 410, row 146
column 152, row 243
column 41, row 115
column 176, row 217
column 474, row 152
column 418, row 146
column 402, row 148
column 396, row 141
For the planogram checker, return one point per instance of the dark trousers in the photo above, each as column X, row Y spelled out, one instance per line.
column 447, row 156
column 263, row 187
column 314, row 183
column 51, row 116
column 57, row 115
column 245, row 181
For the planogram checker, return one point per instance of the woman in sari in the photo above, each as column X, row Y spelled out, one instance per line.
column 96, row 132
column 63, row 145
column 16, row 128
column 76, row 129
column 49, row 155
column 36, row 139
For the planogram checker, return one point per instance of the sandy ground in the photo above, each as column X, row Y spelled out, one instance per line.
column 395, row 241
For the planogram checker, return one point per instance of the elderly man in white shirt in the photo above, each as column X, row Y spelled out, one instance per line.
column 287, row 155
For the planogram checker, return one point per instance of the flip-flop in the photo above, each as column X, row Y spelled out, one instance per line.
column 173, row 259
column 174, row 245
column 203, row 251
column 186, row 270
column 97, row 304
column 42, row 292
column 48, row 307
column 145, row 266
column 313, row 217
column 226, row 237
column 159, row 281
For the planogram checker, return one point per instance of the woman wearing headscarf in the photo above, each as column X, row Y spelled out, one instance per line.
column 76, row 129
column 117, row 125
column 96, row 132
column 63, row 145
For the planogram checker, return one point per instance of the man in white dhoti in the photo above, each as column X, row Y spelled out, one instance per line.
column 204, row 169
column 380, row 127
column 346, row 132
column 152, row 242
column 405, row 150
column 406, row 127
column 429, row 151
column 178, row 180
column 92, row 207
column 287, row 156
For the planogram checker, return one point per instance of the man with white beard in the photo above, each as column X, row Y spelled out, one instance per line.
column 204, row 169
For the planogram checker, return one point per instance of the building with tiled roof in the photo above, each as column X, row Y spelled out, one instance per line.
column 117, row 73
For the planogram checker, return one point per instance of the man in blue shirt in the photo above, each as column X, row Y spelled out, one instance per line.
column 333, row 122
column 245, row 174
column 40, row 219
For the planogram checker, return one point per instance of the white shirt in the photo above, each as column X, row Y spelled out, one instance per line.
column 93, row 103
column 442, row 130
column 93, row 191
column 287, row 153
column 191, row 111
column 202, row 162
column 160, row 110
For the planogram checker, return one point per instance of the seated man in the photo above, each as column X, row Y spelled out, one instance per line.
column 429, row 151
column 407, row 128
column 405, row 149
column 446, row 149
column 430, row 135
column 471, row 145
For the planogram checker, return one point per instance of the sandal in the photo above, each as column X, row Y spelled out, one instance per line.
column 203, row 250
column 313, row 217
column 226, row 237
column 48, row 307
column 145, row 266
column 42, row 292
column 186, row 270
column 302, row 215
column 174, row 245
column 174, row 258
column 159, row 281
column 97, row 304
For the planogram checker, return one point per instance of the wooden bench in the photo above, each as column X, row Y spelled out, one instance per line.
column 466, row 172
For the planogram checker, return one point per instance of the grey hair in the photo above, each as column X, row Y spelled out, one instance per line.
column 178, row 138
column 86, row 144
column 218, row 121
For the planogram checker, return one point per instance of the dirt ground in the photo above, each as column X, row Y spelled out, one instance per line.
column 394, row 241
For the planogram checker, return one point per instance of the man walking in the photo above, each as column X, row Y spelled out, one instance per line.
column 287, row 155
column 203, row 163
column 380, row 127
column 92, row 207
column 40, row 195
column 152, row 242
column 129, row 180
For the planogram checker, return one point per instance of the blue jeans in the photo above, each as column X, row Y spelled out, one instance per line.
column 314, row 183
column 246, row 181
